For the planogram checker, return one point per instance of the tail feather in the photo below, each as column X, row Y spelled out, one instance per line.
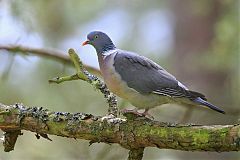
column 209, row 105
column 197, row 94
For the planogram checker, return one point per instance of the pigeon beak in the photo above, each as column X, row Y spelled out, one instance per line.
column 85, row 43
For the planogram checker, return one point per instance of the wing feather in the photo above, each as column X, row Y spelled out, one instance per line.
column 145, row 76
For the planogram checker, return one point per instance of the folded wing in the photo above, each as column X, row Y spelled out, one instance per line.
column 145, row 76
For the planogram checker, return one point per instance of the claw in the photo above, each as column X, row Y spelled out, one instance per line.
column 146, row 114
column 139, row 114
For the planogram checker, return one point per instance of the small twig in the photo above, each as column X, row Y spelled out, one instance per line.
column 84, row 75
column 136, row 154
column 49, row 53
column 76, row 60
column 9, row 139
column 45, row 136
column 78, row 65
column 63, row 79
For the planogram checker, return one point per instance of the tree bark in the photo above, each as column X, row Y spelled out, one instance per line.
column 133, row 133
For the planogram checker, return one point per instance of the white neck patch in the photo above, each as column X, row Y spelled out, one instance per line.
column 107, row 53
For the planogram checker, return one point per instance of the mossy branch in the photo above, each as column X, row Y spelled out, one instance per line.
column 132, row 134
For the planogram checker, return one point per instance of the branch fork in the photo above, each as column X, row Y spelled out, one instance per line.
column 83, row 74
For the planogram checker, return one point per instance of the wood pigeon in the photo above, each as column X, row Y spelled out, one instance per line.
column 138, row 79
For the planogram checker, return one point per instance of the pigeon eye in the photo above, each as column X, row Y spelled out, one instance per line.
column 96, row 37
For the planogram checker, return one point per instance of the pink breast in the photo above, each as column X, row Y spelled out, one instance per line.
column 111, row 78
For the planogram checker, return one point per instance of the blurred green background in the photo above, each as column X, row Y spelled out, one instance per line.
column 197, row 41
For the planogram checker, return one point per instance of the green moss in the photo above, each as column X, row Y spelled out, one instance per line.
column 162, row 132
column 224, row 132
column 56, row 126
column 182, row 133
column 200, row 137
column 147, row 130
column 1, row 119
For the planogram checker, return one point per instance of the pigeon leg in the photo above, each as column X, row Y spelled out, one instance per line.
column 133, row 111
column 139, row 114
column 146, row 114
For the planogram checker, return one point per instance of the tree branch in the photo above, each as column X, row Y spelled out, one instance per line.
column 136, row 154
column 84, row 75
column 133, row 133
column 48, row 53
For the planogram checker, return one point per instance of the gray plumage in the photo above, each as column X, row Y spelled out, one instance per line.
column 142, row 82
column 146, row 77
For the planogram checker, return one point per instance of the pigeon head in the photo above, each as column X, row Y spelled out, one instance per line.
column 100, row 41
